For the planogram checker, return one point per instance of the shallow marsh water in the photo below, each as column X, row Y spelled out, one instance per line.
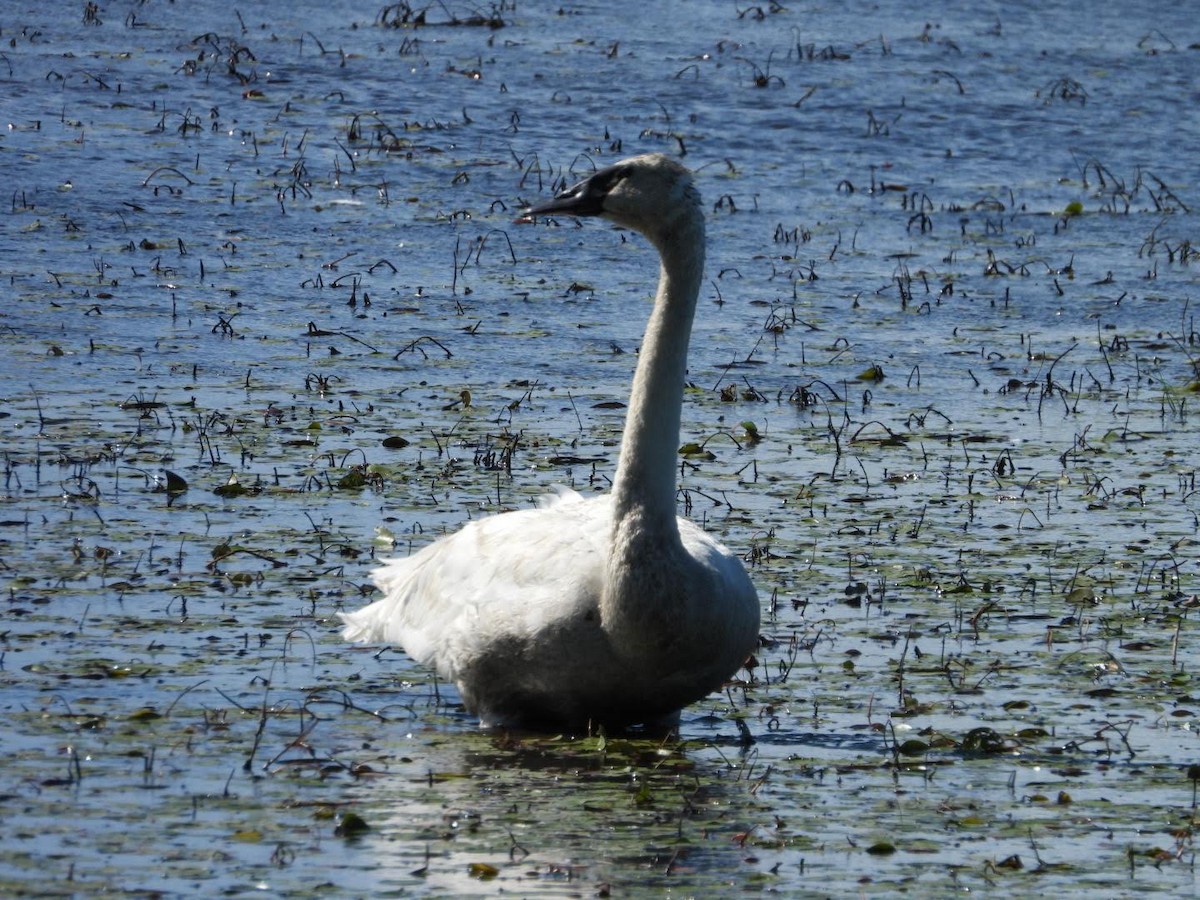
column 943, row 381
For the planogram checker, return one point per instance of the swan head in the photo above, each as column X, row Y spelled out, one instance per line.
column 652, row 194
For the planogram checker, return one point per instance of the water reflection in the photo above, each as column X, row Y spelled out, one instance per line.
column 998, row 533
column 512, row 803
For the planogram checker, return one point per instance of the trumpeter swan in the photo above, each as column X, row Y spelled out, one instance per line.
column 609, row 609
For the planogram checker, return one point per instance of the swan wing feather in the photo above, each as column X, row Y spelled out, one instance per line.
column 447, row 602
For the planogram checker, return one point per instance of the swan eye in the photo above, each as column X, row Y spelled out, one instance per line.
column 609, row 180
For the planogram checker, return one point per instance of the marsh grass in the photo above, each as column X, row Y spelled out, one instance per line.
column 266, row 321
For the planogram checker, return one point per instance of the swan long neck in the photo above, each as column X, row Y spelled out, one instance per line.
column 644, row 486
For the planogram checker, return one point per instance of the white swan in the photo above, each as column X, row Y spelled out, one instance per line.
column 606, row 610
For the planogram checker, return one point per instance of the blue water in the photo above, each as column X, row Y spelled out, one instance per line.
column 252, row 242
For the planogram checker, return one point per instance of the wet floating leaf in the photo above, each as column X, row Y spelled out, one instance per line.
column 351, row 824
column 482, row 871
column 912, row 708
column 174, row 483
column 913, row 747
column 983, row 741
column 1033, row 734
column 352, row 479
column 145, row 714
column 882, row 848
column 961, row 587
column 106, row 670
column 871, row 373
column 142, row 405
column 1074, row 208
column 1011, row 862
column 231, row 488
column 248, row 836
column 395, row 442
column 888, row 438
column 608, row 404
column 692, row 450
column 1081, row 595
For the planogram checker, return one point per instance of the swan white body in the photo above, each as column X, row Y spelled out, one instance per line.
column 608, row 610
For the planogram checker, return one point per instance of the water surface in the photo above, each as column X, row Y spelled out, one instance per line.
column 943, row 371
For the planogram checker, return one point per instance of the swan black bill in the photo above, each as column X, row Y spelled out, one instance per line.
column 583, row 199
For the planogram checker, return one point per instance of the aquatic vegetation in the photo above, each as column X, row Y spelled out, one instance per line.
column 265, row 320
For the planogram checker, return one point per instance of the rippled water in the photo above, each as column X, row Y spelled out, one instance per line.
column 950, row 291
